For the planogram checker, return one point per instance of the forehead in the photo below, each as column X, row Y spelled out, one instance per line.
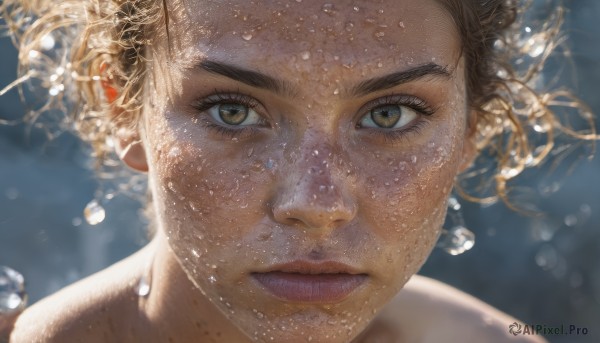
column 343, row 33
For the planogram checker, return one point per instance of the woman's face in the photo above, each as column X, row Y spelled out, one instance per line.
column 301, row 154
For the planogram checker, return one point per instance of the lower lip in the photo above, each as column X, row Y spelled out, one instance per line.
column 319, row 288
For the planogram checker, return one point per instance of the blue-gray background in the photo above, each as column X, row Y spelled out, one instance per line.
column 541, row 271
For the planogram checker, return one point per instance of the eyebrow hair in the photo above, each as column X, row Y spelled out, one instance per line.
column 260, row 80
column 249, row 77
column 397, row 78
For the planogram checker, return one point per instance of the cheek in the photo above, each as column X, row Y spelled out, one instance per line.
column 209, row 196
column 406, row 199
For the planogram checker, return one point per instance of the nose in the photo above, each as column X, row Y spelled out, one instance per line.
column 314, row 194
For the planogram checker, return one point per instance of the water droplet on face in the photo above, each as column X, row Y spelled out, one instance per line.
column 329, row 9
column 212, row 279
column 305, row 55
column 315, row 153
column 94, row 213
column 379, row 35
column 247, row 36
column 457, row 240
column 401, row 24
column 349, row 26
column 12, row 291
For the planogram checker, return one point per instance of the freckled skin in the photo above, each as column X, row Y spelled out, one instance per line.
column 310, row 185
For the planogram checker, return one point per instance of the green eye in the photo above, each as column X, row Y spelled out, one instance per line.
column 234, row 114
column 389, row 117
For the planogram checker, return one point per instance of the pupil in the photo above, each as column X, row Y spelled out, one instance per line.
column 233, row 114
column 386, row 116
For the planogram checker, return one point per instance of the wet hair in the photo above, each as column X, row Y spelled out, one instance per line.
column 111, row 41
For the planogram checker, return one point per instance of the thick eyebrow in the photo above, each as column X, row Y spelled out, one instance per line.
column 260, row 80
column 249, row 77
column 397, row 78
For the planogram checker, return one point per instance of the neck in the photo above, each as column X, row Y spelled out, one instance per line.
column 176, row 310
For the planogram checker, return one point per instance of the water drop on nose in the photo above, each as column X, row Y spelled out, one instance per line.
column 94, row 213
column 12, row 291
column 247, row 36
column 457, row 240
column 305, row 55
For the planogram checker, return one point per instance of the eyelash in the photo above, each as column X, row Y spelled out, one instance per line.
column 390, row 136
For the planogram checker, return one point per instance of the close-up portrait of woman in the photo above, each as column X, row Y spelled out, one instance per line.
column 279, row 171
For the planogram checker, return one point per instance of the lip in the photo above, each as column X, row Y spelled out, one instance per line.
column 309, row 282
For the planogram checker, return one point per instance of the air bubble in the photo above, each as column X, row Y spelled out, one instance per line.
column 457, row 240
column 94, row 213
column 12, row 291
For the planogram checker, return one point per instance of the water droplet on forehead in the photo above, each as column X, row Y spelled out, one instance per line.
column 12, row 291
column 94, row 213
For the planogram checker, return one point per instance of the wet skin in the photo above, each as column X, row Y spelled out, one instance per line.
column 311, row 174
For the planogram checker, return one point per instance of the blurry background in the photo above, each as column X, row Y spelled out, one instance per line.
column 543, row 271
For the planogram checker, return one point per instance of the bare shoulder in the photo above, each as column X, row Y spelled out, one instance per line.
column 90, row 310
column 427, row 310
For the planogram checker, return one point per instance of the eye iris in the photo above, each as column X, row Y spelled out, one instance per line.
column 233, row 114
column 386, row 116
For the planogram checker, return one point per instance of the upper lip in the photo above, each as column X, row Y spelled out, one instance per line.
column 307, row 267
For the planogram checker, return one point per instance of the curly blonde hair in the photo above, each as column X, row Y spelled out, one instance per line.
column 514, row 122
